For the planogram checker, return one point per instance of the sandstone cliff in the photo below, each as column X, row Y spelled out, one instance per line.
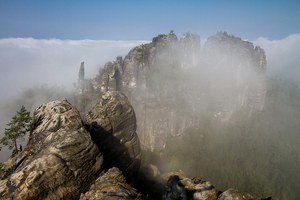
column 62, row 159
column 59, row 161
column 173, row 83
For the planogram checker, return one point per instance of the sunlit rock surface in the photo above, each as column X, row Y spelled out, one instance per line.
column 60, row 160
column 111, row 185
column 112, row 125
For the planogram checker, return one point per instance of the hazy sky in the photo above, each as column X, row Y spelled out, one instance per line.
column 141, row 20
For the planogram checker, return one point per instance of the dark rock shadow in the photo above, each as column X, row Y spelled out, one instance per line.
column 115, row 154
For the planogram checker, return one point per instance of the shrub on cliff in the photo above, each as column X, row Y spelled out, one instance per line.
column 17, row 128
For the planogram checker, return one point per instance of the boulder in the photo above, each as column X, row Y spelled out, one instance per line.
column 60, row 160
column 111, row 185
column 181, row 187
column 232, row 194
column 112, row 125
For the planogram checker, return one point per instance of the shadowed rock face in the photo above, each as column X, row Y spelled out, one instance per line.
column 111, row 185
column 60, row 160
column 112, row 125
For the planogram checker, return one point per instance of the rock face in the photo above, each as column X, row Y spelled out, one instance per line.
column 111, row 185
column 234, row 194
column 112, row 125
column 245, row 82
column 173, row 83
column 60, row 160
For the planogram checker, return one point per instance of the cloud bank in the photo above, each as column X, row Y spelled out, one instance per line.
column 25, row 62
column 282, row 56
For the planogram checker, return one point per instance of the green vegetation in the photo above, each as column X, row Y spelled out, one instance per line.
column 20, row 124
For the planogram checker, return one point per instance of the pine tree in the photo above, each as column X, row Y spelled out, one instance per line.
column 17, row 128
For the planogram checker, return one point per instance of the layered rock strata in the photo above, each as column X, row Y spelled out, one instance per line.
column 59, row 161
column 112, row 125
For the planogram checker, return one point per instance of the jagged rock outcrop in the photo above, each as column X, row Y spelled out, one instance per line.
column 173, row 83
column 111, row 185
column 181, row 187
column 112, row 125
column 59, row 161
column 245, row 82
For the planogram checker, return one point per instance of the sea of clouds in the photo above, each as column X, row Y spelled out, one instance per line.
column 26, row 62
column 282, row 56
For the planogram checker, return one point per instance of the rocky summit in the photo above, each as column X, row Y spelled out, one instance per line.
column 59, row 161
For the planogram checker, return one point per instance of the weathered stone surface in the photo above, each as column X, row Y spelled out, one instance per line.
column 60, row 160
column 181, row 187
column 111, row 185
column 112, row 125
column 232, row 194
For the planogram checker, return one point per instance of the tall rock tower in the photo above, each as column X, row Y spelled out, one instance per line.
column 81, row 72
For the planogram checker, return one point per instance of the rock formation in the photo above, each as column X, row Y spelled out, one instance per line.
column 59, row 161
column 180, row 187
column 111, row 185
column 112, row 125
column 173, row 83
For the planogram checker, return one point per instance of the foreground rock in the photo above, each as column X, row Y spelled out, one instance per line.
column 112, row 125
column 181, row 187
column 111, row 185
column 60, row 160
column 232, row 194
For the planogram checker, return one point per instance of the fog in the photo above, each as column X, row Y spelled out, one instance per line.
column 37, row 70
column 223, row 119
column 25, row 62
column 283, row 56
column 211, row 86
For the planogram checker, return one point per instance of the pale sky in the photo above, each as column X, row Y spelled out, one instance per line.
column 142, row 20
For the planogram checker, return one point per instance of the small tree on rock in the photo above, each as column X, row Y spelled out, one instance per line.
column 17, row 128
